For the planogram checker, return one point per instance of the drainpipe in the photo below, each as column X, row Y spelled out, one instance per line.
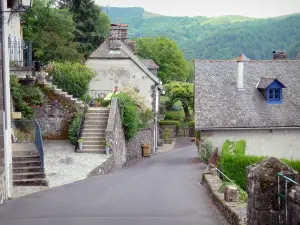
column 6, row 99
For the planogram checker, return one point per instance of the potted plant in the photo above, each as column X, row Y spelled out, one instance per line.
column 107, row 147
column 80, row 141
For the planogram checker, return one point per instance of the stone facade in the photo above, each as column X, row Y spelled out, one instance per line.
column 55, row 116
column 115, row 135
column 134, row 146
column 280, row 143
column 262, row 188
column 294, row 206
column 171, row 128
column 1, row 113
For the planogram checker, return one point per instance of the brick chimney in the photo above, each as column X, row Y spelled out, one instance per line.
column 298, row 57
column 118, row 33
column 280, row 55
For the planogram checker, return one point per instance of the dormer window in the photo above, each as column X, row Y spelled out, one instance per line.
column 271, row 89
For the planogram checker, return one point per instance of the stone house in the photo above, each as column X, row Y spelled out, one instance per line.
column 116, row 66
column 254, row 100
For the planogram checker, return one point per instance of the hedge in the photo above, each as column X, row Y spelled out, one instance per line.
column 192, row 123
column 234, row 166
column 169, row 122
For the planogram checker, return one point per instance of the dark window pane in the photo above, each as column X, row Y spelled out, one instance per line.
column 271, row 93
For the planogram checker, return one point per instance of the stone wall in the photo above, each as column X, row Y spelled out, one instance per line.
column 106, row 167
column 2, row 185
column 262, row 189
column 134, row 146
column 294, row 206
column 234, row 212
column 171, row 128
column 115, row 135
column 55, row 116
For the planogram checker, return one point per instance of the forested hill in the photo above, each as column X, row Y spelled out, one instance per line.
column 223, row 37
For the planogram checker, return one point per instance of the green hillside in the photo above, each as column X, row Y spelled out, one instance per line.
column 222, row 37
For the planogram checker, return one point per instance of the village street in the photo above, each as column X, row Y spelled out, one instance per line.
column 161, row 190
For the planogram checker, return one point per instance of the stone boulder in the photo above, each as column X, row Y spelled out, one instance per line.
column 262, row 190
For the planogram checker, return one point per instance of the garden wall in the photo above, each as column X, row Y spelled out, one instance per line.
column 115, row 135
column 55, row 116
column 134, row 146
column 2, row 184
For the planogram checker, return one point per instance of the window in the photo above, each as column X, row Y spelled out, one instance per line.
column 274, row 95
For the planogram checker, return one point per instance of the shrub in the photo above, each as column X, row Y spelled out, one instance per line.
column 206, row 151
column 198, row 134
column 129, row 114
column 145, row 117
column 234, row 148
column 74, row 127
column 27, row 99
column 139, row 100
column 169, row 116
column 169, row 122
column 73, row 78
column 192, row 123
column 235, row 167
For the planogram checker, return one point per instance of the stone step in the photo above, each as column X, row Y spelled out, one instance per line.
column 22, row 176
column 25, row 153
column 91, row 142
column 33, row 169
column 94, row 126
column 93, row 147
column 26, row 164
column 96, row 116
column 87, row 138
column 98, row 110
column 26, row 158
column 31, row 182
column 95, row 122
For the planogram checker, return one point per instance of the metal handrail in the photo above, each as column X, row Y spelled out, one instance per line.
column 39, row 144
column 222, row 174
column 281, row 196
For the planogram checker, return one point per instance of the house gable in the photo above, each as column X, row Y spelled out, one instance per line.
column 219, row 104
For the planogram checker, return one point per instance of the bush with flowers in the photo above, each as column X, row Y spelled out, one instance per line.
column 27, row 99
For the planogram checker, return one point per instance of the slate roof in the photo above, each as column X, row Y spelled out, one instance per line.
column 104, row 52
column 150, row 64
column 264, row 83
column 220, row 105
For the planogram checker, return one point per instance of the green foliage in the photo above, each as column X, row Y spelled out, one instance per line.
column 27, row 99
column 129, row 114
column 74, row 127
column 294, row 50
column 51, row 32
column 145, row 117
column 243, row 196
column 169, row 122
column 198, row 134
column 103, row 103
column 234, row 148
column 165, row 53
column 206, row 151
column 235, row 167
column 192, row 123
column 92, row 25
column 73, row 78
column 222, row 37
column 292, row 163
column 183, row 92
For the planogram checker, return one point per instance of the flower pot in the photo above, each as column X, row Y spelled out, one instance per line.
column 80, row 146
column 107, row 150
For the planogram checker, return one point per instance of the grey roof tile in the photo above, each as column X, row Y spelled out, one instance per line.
column 219, row 103
column 150, row 64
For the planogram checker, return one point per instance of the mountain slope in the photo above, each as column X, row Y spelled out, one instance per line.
column 222, row 37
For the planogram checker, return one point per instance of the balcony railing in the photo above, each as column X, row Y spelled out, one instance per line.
column 20, row 53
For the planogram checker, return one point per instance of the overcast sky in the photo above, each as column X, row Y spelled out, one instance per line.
column 252, row 8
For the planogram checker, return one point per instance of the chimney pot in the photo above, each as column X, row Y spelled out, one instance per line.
column 280, row 55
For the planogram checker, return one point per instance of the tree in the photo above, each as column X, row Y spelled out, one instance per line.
column 165, row 53
column 185, row 93
column 51, row 32
column 294, row 50
column 92, row 25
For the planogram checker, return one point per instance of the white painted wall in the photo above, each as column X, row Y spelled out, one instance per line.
column 120, row 72
column 278, row 143
column 14, row 27
column 15, row 36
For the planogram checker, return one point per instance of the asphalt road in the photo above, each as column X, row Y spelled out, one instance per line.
column 161, row 190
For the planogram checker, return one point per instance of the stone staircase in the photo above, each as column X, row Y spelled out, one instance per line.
column 93, row 133
column 60, row 92
column 27, row 170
